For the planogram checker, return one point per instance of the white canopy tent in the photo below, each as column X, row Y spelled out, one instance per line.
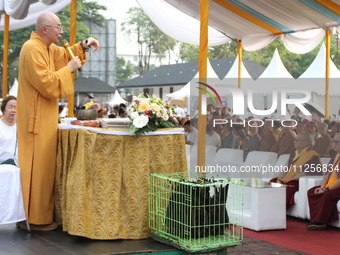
column 186, row 92
column 116, row 99
column 275, row 77
column 14, row 90
column 231, row 78
column 313, row 79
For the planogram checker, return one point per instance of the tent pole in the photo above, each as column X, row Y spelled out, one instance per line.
column 5, row 58
column 202, row 68
column 328, row 54
column 239, row 54
column 73, row 25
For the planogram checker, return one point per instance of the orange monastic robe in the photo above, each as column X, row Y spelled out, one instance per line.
column 43, row 79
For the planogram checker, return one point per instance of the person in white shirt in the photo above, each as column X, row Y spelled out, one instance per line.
column 212, row 138
column 8, row 129
column 179, row 111
column 191, row 135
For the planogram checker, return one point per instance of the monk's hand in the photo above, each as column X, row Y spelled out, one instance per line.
column 319, row 190
column 284, row 181
column 74, row 64
column 93, row 42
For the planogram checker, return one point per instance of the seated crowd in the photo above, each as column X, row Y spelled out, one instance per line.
column 306, row 141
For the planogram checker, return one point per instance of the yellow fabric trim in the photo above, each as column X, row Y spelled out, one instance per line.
column 297, row 154
column 333, row 178
column 247, row 16
column 330, row 5
column 303, row 159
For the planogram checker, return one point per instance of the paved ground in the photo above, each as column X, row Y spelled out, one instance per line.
column 14, row 241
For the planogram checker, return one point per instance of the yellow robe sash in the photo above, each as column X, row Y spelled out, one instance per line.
column 334, row 177
column 296, row 167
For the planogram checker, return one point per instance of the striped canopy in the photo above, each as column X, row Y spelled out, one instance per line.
column 301, row 24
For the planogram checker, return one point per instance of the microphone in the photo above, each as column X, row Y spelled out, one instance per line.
column 68, row 49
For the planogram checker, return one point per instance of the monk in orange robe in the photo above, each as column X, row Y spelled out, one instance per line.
column 302, row 161
column 285, row 144
column 44, row 77
column 323, row 144
column 268, row 138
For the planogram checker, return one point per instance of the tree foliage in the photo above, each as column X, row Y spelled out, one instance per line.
column 124, row 70
column 86, row 11
column 150, row 39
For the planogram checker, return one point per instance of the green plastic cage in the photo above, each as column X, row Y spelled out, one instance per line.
column 193, row 213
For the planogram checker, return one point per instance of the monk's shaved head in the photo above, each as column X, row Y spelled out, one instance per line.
column 46, row 18
column 49, row 28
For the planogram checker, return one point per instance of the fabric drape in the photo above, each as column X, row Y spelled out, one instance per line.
column 101, row 188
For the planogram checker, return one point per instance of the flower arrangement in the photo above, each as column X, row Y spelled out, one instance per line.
column 149, row 114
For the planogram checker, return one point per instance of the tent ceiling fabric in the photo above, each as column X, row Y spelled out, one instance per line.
column 185, row 26
column 300, row 23
column 24, row 13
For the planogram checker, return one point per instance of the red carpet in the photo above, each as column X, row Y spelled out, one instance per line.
column 297, row 237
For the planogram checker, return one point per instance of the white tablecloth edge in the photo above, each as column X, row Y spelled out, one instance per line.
column 179, row 131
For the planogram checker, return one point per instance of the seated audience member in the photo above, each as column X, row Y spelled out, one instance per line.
column 191, row 133
column 313, row 131
column 228, row 139
column 254, row 140
column 218, row 129
column 300, row 127
column 299, row 162
column 333, row 130
column 8, row 130
column 242, row 137
column 106, row 112
column 323, row 200
column 285, row 144
column 122, row 105
column 225, row 113
column 215, row 116
column 268, row 138
column 297, row 115
column 122, row 113
column 116, row 110
column 179, row 111
column 323, row 144
column 212, row 138
column 210, row 111
column 277, row 128
column 182, row 121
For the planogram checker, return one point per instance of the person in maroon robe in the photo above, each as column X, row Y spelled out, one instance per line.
column 323, row 199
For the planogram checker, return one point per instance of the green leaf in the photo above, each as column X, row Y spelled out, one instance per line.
column 133, row 129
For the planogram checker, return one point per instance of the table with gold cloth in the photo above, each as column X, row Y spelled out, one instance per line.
column 101, row 187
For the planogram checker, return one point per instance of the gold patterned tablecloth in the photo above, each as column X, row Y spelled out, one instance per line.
column 101, row 188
